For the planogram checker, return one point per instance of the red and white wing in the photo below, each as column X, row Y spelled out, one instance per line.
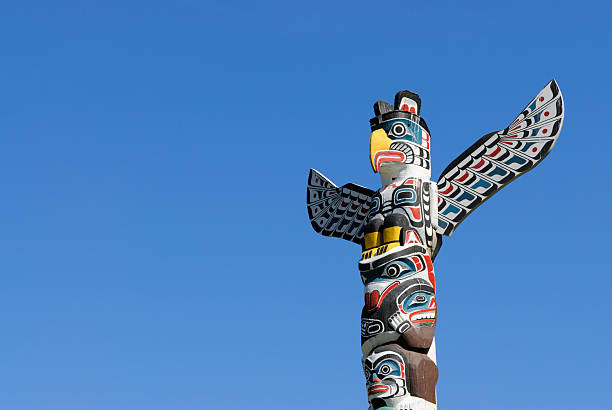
column 498, row 158
column 337, row 212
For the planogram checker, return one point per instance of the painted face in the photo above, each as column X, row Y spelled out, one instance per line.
column 399, row 140
column 420, row 305
column 394, row 375
column 403, row 309
column 386, row 277
column 385, row 375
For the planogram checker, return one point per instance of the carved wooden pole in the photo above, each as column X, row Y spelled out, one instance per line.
column 400, row 229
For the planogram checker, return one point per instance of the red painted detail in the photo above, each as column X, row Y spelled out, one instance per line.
column 402, row 370
column 422, row 320
column 534, row 149
column 430, row 271
column 417, row 263
column 479, row 165
column 412, row 237
column 546, row 114
column 494, row 153
column 412, row 110
column 448, row 190
column 515, row 121
column 463, row 177
column 507, row 142
column 516, row 128
column 378, row 388
column 426, row 139
column 416, row 213
column 541, row 99
column 388, row 156
column 410, row 181
column 512, row 136
column 405, row 107
column 544, row 131
column 373, row 301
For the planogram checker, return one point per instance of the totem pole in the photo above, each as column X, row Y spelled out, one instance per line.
column 400, row 229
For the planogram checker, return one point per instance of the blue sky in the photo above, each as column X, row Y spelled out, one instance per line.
column 155, row 248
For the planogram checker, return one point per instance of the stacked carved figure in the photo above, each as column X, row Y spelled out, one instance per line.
column 400, row 228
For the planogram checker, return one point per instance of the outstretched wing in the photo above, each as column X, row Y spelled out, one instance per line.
column 498, row 158
column 337, row 212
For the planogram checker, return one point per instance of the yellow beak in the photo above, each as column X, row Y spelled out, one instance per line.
column 378, row 142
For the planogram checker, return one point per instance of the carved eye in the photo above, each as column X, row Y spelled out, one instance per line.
column 384, row 370
column 419, row 299
column 393, row 270
column 398, row 129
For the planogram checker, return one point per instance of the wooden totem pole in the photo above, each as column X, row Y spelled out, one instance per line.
column 400, row 229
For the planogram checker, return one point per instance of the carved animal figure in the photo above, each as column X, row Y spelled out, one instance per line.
column 400, row 228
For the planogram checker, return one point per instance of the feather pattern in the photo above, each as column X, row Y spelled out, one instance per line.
column 498, row 158
column 337, row 212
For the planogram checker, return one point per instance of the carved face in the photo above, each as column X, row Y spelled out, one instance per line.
column 394, row 374
column 420, row 307
column 389, row 275
column 385, row 374
column 399, row 140
column 398, row 308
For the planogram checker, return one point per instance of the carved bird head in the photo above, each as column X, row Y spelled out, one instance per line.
column 400, row 137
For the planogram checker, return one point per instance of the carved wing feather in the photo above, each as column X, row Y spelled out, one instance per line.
column 337, row 212
column 498, row 158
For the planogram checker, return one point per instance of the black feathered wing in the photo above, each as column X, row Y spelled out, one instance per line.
column 498, row 158
column 337, row 212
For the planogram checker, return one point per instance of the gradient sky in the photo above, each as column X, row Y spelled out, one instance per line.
column 155, row 248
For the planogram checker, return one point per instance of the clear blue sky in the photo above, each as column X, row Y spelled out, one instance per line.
column 155, row 249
